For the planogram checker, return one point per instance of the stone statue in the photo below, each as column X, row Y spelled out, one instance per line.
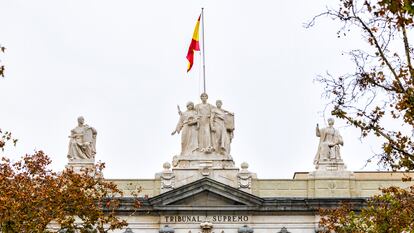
column 221, row 137
column 204, row 124
column 187, row 125
column 205, row 128
column 82, row 143
column 329, row 142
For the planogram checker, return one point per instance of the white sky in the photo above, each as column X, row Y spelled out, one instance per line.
column 121, row 64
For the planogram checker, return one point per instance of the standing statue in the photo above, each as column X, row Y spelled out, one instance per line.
column 82, row 143
column 187, row 124
column 204, row 124
column 221, row 136
column 330, row 139
column 205, row 128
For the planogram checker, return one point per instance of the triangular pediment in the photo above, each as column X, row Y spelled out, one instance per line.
column 205, row 193
column 206, row 198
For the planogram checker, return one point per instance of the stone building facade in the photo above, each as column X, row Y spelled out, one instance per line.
column 271, row 206
column 203, row 191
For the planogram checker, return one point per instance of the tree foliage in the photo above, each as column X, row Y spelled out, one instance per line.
column 32, row 197
column 378, row 96
column 6, row 137
column 2, row 49
column 390, row 212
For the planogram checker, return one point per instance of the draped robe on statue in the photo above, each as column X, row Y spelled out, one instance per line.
column 329, row 142
column 188, row 127
column 204, row 131
column 220, row 137
column 82, row 144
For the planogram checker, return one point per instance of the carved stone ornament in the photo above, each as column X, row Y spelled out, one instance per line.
column 205, row 167
column 206, row 227
column 244, row 178
column 245, row 229
column 175, row 161
column 284, row 230
column 166, row 229
column 128, row 230
column 167, row 178
column 205, row 171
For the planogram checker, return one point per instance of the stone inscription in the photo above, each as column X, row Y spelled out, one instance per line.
column 199, row 219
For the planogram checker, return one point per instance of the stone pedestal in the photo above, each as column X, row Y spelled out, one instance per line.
column 331, row 165
column 189, row 168
column 343, row 174
column 81, row 165
column 335, row 168
column 203, row 159
column 331, row 179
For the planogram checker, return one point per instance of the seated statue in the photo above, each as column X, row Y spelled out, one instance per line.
column 329, row 142
column 82, row 143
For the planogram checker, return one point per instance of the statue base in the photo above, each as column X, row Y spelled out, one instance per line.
column 331, row 169
column 82, row 165
column 197, row 160
column 189, row 168
column 331, row 165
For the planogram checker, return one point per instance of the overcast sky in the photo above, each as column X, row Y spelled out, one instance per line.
column 121, row 65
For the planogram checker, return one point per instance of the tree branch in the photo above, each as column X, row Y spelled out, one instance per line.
column 407, row 51
column 378, row 47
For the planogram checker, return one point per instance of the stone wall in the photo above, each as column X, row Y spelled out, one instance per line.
column 140, row 187
column 360, row 184
column 260, row 224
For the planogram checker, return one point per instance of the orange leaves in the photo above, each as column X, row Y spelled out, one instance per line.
column 31, row 196
column 391, row 211
column 22, row 196
column 4, row 138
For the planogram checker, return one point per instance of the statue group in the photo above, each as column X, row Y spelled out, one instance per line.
column 205, row 128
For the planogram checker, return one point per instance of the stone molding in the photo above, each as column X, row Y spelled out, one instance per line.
column 243, row 202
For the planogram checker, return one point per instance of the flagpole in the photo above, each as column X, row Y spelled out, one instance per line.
column 204, row 58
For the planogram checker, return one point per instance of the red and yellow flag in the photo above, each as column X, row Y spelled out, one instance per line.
column 194, row 46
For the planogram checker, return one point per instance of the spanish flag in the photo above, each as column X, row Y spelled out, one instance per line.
column 194, row 46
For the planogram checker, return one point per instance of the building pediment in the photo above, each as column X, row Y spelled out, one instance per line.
column 208, row 194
